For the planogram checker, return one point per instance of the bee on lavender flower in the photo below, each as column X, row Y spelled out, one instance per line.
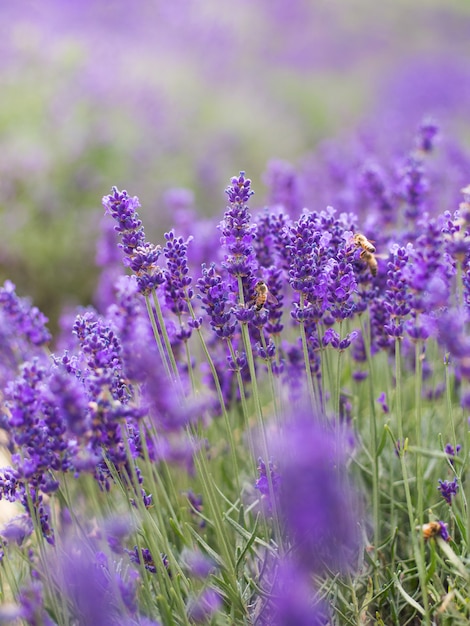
column 262, row 295
column 434, row 529
column 361, row 241
column 367, row 252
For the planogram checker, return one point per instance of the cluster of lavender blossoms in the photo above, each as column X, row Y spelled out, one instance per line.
column 161, row 403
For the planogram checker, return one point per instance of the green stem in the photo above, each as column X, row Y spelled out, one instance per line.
column 166, row 338
column 156, row 334
column 374, row 439
column 220, row 396
column 450, row 412
column 259, row 414
column 418, row 419
column 220, row 530
column 417, row 548
column 271, row 378
column 308, row 369
column 246, row 415
column 190, row 367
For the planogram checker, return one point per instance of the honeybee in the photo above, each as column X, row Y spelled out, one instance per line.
column 361, row 241
column 367, row 252
column 263, row 295
column 371, row 261
column 432, row 529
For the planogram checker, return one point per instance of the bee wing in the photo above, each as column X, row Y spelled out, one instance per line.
column 272, row 299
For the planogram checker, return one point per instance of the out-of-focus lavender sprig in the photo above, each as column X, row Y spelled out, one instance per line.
column 23, row 331
column 454, row 338
column 283, row 186
column 397, row 295
column 292, row 599
column 315, row 498
column 342, row 287
column 427, row 135
column 101, row 352
column 262, row 483
column 376, row 188
column 29, row 606
column 319, row 511
column 413, row 188
column 217, row 302
column 97, row 588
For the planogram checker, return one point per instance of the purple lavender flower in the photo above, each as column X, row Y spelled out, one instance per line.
column 376, row 189
column 144, row 557
column 342, row 287
column 177, row 279
column 315, row 499
column 10, row 485
column 196, row 507
column 27, row 320
column 262, row 482
column 98, row 590
column 123, row 209
column 430, row 270
column 38, row 430
column 444, row 533
column 453, row 336
column 413, row 187
column 397, row 297
column 203, row 607
column 382, row 400
column 448, row 489
column 331, row 337
column 217, row 301
column 434, row 529
column 238, row 233
column 292, row 600
column 283, row 185
column 140, row 255
column 68, row 395
column 451, row 451
column 426, row 135
column 116, row 529
column 101, row 350
column 380, row 320
column 272, row 239
column 197, row 563
column 304, row 242
column 30, row 606
column 17, row 529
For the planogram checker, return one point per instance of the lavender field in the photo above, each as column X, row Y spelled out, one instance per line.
column 235, row 359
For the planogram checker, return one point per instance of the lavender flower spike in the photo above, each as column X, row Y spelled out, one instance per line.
column 448, row 489
column 140, row 255
column 237, row 232
column 316, row 498
column 27, row 320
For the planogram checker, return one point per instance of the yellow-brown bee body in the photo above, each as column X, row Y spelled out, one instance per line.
column 361, row 241
column 367, row 252
column 371, row 261
column 431, row 529
column 262, row 295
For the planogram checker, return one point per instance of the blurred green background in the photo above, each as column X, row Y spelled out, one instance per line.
column 156, row 95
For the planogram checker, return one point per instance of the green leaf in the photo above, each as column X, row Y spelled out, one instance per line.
column 411, row 601
column 247, row 547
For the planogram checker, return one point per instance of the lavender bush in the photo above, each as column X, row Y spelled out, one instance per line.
column 266, row 421
column 178, row 95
